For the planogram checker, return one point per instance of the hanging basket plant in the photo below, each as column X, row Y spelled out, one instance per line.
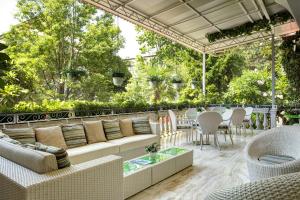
column 177, row 82
column 118, row 78
column 154, row 80
column 194, row 84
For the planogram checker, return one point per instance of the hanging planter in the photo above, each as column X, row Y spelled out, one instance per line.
column 154, row 81
column 177, row 83
column 194, row 84
column 118, row 78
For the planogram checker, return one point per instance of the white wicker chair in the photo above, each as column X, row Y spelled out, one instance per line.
column 285, row 187
column 278, row 141
column 247, row 120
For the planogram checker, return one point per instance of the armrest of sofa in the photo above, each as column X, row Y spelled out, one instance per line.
column 279, row 187
column 155, row 128
column 96, row 179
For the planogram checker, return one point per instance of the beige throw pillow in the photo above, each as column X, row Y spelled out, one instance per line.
column 51, row 136
column 126, row 127
column 94, row 131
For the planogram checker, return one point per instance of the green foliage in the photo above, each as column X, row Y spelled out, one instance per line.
column 4, row 64
column 291, row 64
column 248, row 28
column 252, row 87
column 61, row 48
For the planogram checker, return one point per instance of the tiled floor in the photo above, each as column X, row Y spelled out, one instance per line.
column 212, row 169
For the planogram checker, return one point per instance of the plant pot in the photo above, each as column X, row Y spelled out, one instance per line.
column 193, row 86
column 118, row 81
column 153, row 83
column 152, row 155
column 177, row 86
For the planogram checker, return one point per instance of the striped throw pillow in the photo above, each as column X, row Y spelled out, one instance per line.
column 141, row 125
column 74, row 135
column 23, row 135
column 61, row 155
column 112, row 129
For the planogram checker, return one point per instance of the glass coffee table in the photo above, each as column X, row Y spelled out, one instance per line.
column 142, row 172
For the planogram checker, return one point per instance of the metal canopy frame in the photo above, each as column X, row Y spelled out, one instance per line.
column 204, row 19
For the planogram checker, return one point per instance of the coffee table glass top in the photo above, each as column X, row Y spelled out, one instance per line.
column 135, row 164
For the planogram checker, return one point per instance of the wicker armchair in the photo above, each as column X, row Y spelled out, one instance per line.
column 278, row 141
column 277, row 188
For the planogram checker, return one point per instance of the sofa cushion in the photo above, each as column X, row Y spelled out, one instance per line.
column 60, row 154
column 74, row 135
column 112, row 129
column 141, row 125
column 126, row 127
column 23, row 135
column 94, row 131
column 91, row 152
column 133, row 142
column 51, row 136
column 37, row 161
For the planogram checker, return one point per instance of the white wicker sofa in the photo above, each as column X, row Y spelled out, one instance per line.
column 127, row 147
column 96, row 170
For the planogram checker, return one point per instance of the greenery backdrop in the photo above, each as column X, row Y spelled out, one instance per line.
column 62, row 55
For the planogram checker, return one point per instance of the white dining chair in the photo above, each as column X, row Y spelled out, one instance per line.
column 176, row 126
column 191, row 116
column 237, row 118
column 208, row 124
column 247, row 120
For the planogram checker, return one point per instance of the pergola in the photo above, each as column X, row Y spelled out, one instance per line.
column 188, row 21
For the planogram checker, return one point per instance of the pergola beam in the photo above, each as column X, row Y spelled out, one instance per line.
column 138, row 18
column 264, row 9
column 168, row 9
column 246, row 12
column 256, row 7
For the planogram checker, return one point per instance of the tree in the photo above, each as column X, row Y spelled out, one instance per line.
column 66, row 45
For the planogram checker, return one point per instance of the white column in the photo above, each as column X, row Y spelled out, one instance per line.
column 203, row 73
column 273, row 110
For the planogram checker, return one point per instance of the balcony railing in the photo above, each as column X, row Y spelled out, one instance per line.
column 260, row 117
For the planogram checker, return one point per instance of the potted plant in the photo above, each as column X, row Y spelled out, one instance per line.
column 118, row 78
column 194, row 84
column 154, row 80
column 152, row 149
column 177, row 82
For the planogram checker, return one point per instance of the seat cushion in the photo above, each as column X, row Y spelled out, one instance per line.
column 136, row 141
column 141, row 125
column 23, row 135
column 74, row 135
column 112, row 129
column 275, row 159
column 91, row 152
column 37, row 161
column 94, row 131
column 51, row 136
column 126, row 127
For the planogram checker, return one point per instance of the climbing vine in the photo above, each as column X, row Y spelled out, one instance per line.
column 248, row 28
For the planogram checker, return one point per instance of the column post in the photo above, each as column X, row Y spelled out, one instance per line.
column 273, row 110
column 203, row 73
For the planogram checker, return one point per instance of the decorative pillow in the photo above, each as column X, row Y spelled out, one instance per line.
column 141, row 125
column 40, row 162
column 60, row 154
column 94, row 131
column 112, row 129
column 74, row 135
column 23, row 135
column 51, row 136
column 126, row 127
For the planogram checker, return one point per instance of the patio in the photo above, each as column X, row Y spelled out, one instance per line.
column 130, row 152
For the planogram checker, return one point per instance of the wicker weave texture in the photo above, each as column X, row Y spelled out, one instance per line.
column 97, row 179
column 278, row 141
column 285, row 187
